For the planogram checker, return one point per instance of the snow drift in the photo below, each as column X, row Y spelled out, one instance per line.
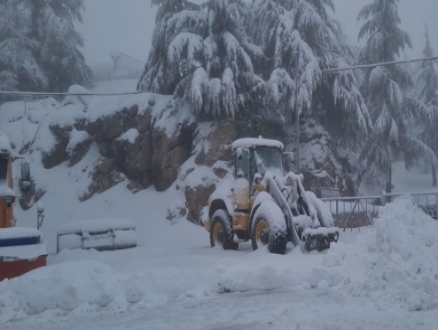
column 405, row 269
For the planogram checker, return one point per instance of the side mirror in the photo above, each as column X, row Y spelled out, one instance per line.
column 40, row 215
column 25, row 175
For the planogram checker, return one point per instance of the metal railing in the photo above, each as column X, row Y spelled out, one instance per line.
column 355, row 212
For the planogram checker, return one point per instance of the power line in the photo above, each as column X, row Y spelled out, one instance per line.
column 365, row 66
column 66, row 94
column 6, row 93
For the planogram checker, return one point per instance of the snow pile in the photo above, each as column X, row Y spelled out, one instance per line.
column 91, row 286
column 405, row 271
column 64, row 287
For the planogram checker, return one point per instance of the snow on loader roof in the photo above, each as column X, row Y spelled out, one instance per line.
column 249, row 143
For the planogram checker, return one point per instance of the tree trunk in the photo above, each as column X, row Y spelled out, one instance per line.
column 389, row 184
column 434, row 175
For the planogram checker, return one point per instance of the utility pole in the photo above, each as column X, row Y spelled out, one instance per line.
column 297, row 116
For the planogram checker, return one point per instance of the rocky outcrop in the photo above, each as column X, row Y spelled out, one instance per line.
column 104, row 177
column 57, row 155
column 216, row 145
column 170, row 153
column 211, row 162
column 326, row 166
column 107, row 128
column 144, row 143
column 64, row 124
column 133, row 155
column 77, row 148
column 196, row 199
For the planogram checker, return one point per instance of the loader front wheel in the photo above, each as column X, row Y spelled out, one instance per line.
column 269, row 228
column 221, row 231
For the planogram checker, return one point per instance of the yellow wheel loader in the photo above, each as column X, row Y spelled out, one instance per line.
column 266, row 205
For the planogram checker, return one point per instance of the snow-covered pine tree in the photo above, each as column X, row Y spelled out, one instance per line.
column 19, row 67
column 39, row 45
column 59, row 53
column 289, row 27
column 425, row 97
column 384, row 87
column 204, row 56
column 161, row 73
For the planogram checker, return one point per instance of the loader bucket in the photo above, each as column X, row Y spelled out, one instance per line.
column 319, row 239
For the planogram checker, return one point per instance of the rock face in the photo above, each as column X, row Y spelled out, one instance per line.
column 212, row 162
column 217, row 144
column 143, row 144
column 104, row 177
column 326, row 166
column 170, row 154
column 65, row 125
column 56, row 156
column 133, row 157
column 196, row 199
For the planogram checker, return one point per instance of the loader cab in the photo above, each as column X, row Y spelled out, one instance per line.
column 252, row 156
column 257, row 156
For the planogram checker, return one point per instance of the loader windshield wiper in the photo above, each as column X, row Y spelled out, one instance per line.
column 269, row 159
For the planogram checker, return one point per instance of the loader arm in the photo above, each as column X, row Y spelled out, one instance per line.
column 314, row 237
column 276, row 193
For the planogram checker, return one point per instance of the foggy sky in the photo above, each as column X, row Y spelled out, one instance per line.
column 127, row 26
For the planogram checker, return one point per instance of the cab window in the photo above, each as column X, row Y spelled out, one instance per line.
column 242, row 163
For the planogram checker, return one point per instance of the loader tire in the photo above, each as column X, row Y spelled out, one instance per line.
column 269, row 228
column 221, row 231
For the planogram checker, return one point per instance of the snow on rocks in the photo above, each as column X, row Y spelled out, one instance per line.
column 130, row 135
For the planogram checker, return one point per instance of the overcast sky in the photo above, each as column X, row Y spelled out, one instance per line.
column 127, row 25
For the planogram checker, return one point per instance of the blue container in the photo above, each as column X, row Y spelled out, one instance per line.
column 19, row 241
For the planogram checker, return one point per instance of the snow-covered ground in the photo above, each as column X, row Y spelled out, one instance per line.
column 381, row 278
column 384, row 277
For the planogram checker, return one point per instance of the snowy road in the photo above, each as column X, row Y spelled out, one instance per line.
column 291, row 308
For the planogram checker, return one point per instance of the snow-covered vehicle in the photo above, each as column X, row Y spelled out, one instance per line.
column 21, row 249
column 266, row 205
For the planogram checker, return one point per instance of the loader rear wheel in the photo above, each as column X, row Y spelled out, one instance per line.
column 221, row 231
column 269, row 228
